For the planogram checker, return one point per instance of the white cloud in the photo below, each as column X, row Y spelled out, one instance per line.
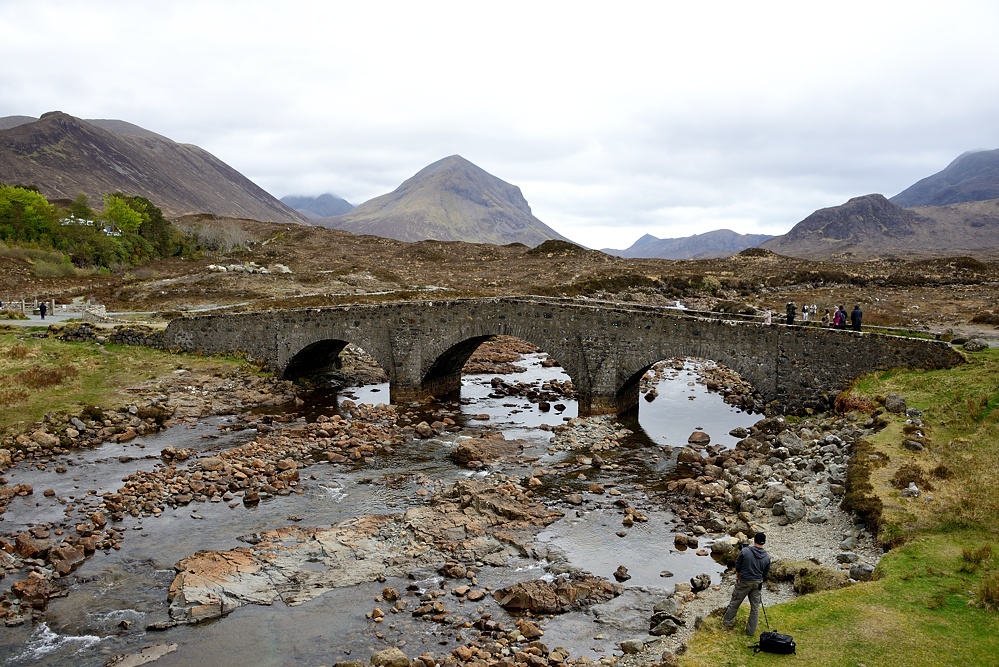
column 651, row 117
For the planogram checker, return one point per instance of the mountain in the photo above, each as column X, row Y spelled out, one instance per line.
column 449, row 200
column 872, row 226
column 973, row 176
column 65, row 156
column 8, row 122
column 719, row 243
column 323, row 206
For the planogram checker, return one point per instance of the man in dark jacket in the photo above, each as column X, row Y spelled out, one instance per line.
column 751, row 568
column 856, row 315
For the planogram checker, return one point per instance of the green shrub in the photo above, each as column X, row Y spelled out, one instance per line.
column 988, row 592
column 807, row 577
column 860, row 496
column 910, row 473
column 36, row 378
column 982, row 554
column 61, row 269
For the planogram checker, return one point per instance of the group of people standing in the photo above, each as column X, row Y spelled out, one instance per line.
column 837, row 319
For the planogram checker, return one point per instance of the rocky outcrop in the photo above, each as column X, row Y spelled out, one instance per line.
column 566, row 593
column 480, row 451
column 466, row 522
column 777, row 474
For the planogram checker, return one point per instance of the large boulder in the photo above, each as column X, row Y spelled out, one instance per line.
column 45, row 440
column 390, row 657
column 791, row 441
column 698, row 438
column 740, row 492
column 565, row 593
column 794, row 510
column 862, row 571
column 700, row 582
column 487, row 449
column 975, row 345
column 895, row 404
column 808, row 577
column 774, row 493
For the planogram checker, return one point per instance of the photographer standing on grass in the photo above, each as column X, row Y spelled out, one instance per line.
column 751, row 568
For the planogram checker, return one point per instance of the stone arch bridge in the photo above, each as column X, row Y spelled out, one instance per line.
column 604, row 347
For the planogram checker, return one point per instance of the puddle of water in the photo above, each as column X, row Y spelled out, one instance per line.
column 684, row 406
column 590, row 542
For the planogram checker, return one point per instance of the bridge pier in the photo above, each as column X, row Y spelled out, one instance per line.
column 594, row 403
column 437, row 387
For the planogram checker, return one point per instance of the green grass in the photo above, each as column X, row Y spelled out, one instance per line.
column 42, row 375
column 921, row 612
column 935, row 598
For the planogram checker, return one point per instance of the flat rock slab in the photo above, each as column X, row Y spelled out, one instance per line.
column 295, row 564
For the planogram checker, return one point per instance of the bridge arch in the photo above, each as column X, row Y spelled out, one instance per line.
column 758, row 367
column 444, row 358
column 317, row 351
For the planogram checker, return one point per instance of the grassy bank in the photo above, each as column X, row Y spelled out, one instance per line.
column 40, row 375
column 936, row 593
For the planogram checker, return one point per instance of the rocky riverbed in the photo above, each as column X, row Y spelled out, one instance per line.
column 787, row 480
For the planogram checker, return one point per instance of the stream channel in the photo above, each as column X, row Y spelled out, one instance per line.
column 130, row 585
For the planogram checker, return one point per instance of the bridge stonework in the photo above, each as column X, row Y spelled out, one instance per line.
column 604, row 348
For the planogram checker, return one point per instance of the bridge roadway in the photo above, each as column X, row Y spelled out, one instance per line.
column 605, row 348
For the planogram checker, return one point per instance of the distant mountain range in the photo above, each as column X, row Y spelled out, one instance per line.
column 65, row 156
column 323, row 206
column 719, row 243
column 955, row 211
column 449, row 200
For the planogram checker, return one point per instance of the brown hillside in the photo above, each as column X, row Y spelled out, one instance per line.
column 65, row 156
column 336, row 267
column 872, row 227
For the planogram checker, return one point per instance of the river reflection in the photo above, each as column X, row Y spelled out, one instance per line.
column 116, row 594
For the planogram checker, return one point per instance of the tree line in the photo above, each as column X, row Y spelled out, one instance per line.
column 127, row 231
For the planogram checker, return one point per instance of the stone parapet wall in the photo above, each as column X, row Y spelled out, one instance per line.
column 126, row 334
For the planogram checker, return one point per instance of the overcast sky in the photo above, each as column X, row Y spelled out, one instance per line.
column 667, row 118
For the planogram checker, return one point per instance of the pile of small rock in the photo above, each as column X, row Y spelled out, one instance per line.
column 248, row 267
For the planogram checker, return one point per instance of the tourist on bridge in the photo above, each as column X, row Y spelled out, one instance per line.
column 42, row 307
column 856, row 315
column 839, row 319
column 792, row 310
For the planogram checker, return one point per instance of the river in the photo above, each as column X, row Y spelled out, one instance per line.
column 115, row 595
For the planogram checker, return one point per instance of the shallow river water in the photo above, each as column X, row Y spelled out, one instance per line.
column 129, row 587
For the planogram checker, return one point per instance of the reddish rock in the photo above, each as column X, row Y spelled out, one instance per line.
column 564, row 594
column 699, row 438
column 34, row 591
column 529, row 629
column 65, row 558
column 27, row 546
